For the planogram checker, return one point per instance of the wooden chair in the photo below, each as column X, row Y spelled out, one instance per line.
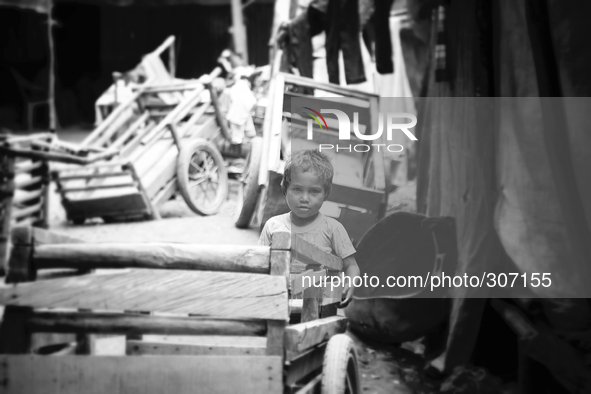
column 193, row 291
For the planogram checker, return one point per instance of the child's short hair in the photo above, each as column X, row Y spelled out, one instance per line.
column 309, row 160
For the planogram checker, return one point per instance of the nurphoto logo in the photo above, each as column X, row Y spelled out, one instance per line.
column 392, row 121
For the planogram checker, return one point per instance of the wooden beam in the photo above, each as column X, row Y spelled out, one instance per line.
column 208, row 294
column 128, row 323
column 143, row 348
column 303, row 336
column 233, row 258
column 141, row 375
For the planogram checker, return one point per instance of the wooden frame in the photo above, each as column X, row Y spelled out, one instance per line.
column 370, row 197
column 224, row 280
column 137, row 130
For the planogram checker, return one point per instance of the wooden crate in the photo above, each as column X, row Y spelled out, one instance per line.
column 191, row 294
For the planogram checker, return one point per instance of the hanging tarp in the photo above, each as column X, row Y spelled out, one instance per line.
column 489, row 163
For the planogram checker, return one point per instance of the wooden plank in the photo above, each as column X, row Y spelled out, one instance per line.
column 303, row 252
column 95, row 176
column 163, row 348
column 143, row 348
column 131, row 130
column 303, row 366
column 97, row 187
column 141, row 375
column 165, row 193
column 42, row 236
column 6, row 194
column 132, row 324
column 298, row 284
column 303, row 336
column 15, row 338
column 232, row 258
column 20, row 267
column 311, row 304
column 306, row 253
column 213, row 294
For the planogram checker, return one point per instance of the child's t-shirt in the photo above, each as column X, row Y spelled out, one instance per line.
column 326, row 233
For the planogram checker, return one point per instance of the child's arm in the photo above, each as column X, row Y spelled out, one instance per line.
column 352, row 271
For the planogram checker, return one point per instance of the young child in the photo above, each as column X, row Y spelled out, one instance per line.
column 306, row 184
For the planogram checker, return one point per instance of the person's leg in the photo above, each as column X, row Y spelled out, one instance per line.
column 350, row 41
column 381, row 22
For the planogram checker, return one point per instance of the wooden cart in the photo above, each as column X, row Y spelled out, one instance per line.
column 361, row 182
column 25, row 179
column 198, row 318
column 163, row 133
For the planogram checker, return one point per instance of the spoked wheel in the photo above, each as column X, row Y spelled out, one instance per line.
column 249, row 185
column 340, row 373
column 202, row 177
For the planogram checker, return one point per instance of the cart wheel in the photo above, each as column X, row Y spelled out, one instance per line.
column 340, row 373
column 249, row 188
column 202, row 177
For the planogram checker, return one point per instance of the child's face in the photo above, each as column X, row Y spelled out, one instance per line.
column 305, row 194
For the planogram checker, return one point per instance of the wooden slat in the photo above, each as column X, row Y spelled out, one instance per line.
column 93, row 176
column 327, row 87
column 303, row 336
column 128, row 323
column 28, row 211
column 174, row 87
column 186, row 348
column 97, row 187
column 22, row 196
column 306, row 253
column 299, row 284
column 27, row 166
column 213, row 294
column 42, row 236
column 312, row 386
column 304, row 365
column 141, row 375
column 131, row 130
column 303, row 252
column 234, row 258
column 29, row 181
